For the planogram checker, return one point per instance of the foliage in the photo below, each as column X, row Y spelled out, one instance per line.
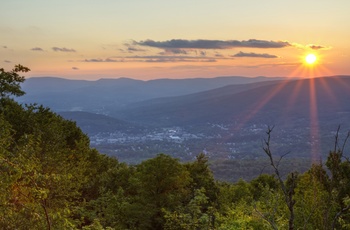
column 50, row 178
column 10, row 81
column 191, row 216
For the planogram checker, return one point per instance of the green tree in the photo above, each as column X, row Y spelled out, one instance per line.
column 45, row 162
column 339, row 167
column 162, row 183
column 10, row 81
column 262, row 181
column 47, row 166
column 314, row 207
column 236, row 207
column 202, row 177
column 107, row 196
column 191, row 216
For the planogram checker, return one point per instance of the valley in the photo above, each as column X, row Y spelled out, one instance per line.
column 227, row 123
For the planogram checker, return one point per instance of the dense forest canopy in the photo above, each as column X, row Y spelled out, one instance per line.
column 50, row 178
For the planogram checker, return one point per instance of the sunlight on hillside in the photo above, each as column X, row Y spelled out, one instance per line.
column 309, row 68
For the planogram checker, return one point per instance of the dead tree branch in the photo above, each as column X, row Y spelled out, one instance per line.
column 287, row 192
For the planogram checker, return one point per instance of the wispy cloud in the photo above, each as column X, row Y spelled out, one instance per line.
column 311, row 46
column 173, row 51
column 131, row 48
column 202, row 53
column 7, row 61
column 57, row 49
column 273, row 65
column 318, row 47
column 134, row 49
column 5, row 47
column 75, row 68
column 254, row 55
column 212, row 44
column 154, row 58
column 36, row 49
column 101, row 60
column 175, row 59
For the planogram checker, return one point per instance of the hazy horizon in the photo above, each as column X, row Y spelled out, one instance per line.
column 150, row 79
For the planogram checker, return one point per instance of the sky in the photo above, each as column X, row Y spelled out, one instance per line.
column 93, row 39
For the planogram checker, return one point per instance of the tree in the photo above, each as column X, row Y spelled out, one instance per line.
column 288, row 187
column 45, row 162
column 339, row 167
column 262, row 181
column 191, row 216
column 46, row 165
column 236, row 207
column 314, row 207
column 162, row 183
column 202, row 177
column 10, row 81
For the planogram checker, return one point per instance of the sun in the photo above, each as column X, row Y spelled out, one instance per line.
column 310, row 59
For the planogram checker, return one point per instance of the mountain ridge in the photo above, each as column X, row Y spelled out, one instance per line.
column 272, row 96
column 93, row 96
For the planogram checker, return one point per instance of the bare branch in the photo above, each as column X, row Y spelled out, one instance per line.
column 278, row 162
column 336, row 139
column 288, row 193
column 338, row 215
column 262, row 170
column 262, row 215
column 345, row 141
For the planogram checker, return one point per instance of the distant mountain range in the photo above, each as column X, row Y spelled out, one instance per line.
column 271, row 102
column 225, row 117
column 109, row 94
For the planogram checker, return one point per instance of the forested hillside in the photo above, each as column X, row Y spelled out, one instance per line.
column 50, row 178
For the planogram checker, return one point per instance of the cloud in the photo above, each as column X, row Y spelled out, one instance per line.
column 5, row 47
column 212, row 44
column 57, row 49
column 166, row 58
column 134, row 49
column 130, row 47
column 254, row 55
column 173, row 51
column 7, row 61
column 317, row 47
column 101, row 60
column 36, row 49
column 219, row 55
column 273, row 65
column 178, row 59
column 75, row 68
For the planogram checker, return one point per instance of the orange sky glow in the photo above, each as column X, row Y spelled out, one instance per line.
column 175, row 39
